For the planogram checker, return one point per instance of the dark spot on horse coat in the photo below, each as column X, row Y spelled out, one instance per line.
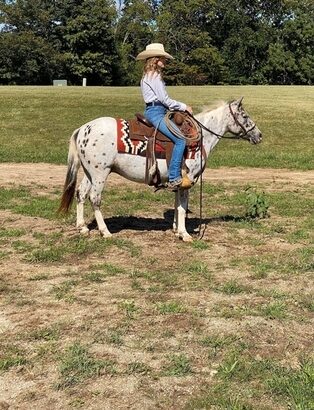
column 104, row 153
column 87, row 130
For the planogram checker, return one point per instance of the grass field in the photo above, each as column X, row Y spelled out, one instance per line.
column 142, row 320
column 36, row 122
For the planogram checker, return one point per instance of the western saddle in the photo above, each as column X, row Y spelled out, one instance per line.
column 141, row 129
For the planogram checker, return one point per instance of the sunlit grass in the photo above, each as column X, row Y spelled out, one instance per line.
column 241, row 379
column 201, row 317
column 77, row 365
column 36, row 122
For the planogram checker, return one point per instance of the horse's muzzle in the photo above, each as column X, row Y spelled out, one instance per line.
column 256, row 138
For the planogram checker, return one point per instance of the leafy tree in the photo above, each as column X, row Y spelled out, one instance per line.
column 281, row 65
column 242, row 31
column 290, row 57
column 82, row 31
column 210, row 63
column 298, row 36
column 213, row 41
column 36, row 16
column 27, row 59
column 135, row 28
column 88, row 40
column 183, row 28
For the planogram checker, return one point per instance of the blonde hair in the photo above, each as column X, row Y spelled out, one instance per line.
column 151, row 66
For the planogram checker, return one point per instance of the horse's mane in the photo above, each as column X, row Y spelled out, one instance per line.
column 213, row 106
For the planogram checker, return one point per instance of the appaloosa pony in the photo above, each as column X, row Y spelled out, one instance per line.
column 95, row 146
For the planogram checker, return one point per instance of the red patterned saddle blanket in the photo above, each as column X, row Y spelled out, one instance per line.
column 135, row 145
column 138, row 137
column 134, row 137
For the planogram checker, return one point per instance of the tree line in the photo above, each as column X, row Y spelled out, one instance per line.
column 213, row 41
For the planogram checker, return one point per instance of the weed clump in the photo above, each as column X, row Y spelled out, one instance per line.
column 78, row 365
column 256, row 204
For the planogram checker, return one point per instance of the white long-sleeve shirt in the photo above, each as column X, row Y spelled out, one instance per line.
column 154, row 89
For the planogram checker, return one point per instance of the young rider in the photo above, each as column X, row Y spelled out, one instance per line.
column 158, row 102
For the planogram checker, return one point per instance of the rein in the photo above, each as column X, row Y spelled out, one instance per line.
column 235, row 136
column 203, row 126
column 200, row 232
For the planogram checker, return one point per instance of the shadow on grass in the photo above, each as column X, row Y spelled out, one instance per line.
column 116, row 224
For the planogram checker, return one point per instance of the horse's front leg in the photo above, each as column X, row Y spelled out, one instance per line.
column 182, row 199
column 175, row 218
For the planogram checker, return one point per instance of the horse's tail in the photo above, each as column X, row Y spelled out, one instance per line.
column 71, row 176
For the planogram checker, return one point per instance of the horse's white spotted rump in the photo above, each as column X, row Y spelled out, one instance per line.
column 94, row 146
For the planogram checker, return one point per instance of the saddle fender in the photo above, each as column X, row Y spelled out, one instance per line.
column 141, row 129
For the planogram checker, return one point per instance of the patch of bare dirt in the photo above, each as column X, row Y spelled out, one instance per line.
column 50, row 175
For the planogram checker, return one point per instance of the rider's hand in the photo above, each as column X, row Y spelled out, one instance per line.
column 189, row 109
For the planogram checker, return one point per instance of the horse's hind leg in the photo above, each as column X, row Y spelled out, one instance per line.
column 95, row 198
column 81, row 195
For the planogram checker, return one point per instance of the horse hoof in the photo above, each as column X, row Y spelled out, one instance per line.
column 105, row 234
column 184, row 236
column 84, row 231
column 187, row 238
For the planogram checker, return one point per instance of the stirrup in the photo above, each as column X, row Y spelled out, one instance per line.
column 186, row 182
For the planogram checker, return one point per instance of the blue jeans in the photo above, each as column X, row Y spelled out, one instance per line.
column 155, row 114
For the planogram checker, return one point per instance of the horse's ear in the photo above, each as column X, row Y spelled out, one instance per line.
column 239, row 102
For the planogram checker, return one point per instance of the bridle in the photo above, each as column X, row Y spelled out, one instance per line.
column 235, row 136
column 240, row 125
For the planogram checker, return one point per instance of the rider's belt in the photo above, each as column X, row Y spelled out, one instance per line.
column 154, row 104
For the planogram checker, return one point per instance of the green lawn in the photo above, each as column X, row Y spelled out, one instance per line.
column 37, row 122
column 221, row 323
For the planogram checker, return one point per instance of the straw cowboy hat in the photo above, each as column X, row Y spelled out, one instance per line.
column 153, row 50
